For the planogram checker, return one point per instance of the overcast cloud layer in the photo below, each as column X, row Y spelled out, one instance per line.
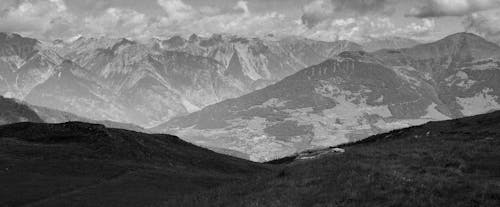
column 318, row 19
column 440, row 8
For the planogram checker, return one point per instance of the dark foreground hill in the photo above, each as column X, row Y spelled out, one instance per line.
column 81, row 164
column 449, row 163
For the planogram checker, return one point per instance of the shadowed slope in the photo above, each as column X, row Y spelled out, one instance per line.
column 14, row 111
column 77, row 163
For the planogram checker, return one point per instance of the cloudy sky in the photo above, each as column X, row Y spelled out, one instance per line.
column 355, row 20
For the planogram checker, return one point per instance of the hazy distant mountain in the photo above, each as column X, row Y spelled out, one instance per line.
column 374, row 44
column 149, row 83
column 14, row 111
column 351, row 97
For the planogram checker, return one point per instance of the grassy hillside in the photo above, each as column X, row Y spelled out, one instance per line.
column 81, row 164
column 450, row 163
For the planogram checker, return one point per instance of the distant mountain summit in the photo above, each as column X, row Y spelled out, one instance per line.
column 351, row 96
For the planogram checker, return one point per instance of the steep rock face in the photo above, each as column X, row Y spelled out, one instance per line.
column 24, row 63
column 340, row 100
column 112, row 79
column 150, row 86
column 259, row 61
column 71, row 89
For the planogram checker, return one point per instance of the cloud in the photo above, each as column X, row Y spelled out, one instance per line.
column 363, row 6
column 34, row 17
column 240, row 21
column 360, row 29
column 322, row 19
column 117, row 22
column 243, row 5
column 209, row 10
column 316, row 12
column 484, row 23
column 321, row 10
column 177, row 9
column 441, row 8
column 51, row 19
column 416, row 30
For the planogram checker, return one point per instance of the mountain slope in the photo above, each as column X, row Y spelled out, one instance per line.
column 13, row 111
column 260, row 59
column 464, row 68
column 337, row 101
column 25, row 63
column 78, row 163
column 184, row 76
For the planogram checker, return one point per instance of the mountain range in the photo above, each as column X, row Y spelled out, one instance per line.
column 352, row 96
column 147, row 83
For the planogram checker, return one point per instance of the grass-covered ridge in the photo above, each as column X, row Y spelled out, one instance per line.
column 450, row 163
